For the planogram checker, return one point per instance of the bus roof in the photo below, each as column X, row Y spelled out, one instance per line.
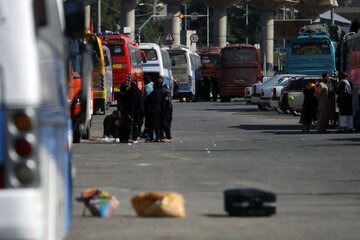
column 209, row 51
column 112, row 37
column 239, row 45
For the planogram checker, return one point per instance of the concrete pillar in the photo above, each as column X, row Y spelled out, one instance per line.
column 267, row 41
column 220, row 27
column 173, row 25
column 128, row 17
column 87, row 16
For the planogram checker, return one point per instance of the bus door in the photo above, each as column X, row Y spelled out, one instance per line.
column 165, row 68
column 120, row 63
column 99, row 76
column 109, row 75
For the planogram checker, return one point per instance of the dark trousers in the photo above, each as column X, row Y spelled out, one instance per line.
column 155, row 125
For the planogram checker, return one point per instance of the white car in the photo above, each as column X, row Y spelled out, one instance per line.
column 262, row 91
column 276, row 93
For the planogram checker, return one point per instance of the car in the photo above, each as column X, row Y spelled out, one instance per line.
column 261, row 91
column 277, row 92
column 295, row 94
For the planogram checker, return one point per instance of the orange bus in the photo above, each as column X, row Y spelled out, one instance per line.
column 240, row 67
column 126, row 60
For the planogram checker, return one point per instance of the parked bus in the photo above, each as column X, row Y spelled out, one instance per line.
column 350, row 63
column 109, row 75
column 240, row 67
column 186, row 68
column 80, row 89
column 157, row 64
column 98, row 73
column 311, row 55
column 126, row 60
column 210, row 72
column 35, row 162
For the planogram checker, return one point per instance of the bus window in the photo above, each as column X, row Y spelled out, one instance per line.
column 150, row 54
column 166, row 59
column 239, row 54
column 95, row 60
column 116, row 50
column 138, row 57
column 180, row 58
column 310, row 49
column 107, row 63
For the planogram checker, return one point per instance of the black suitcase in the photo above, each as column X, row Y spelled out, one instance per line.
column 249, row 202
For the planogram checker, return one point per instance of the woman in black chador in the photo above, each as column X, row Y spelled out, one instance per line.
column 310, row 106
column 134, row 111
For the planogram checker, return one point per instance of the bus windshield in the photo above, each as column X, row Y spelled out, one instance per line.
column 232, row 55
column 179, row 57
column 116, row 50
column 310, row 49
column 150, row 54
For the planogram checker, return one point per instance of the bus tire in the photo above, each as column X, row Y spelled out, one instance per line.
column 103, row 109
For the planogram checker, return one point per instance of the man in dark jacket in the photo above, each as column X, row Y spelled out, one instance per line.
column 109, row 124
column 154, row 108
column 134, row 111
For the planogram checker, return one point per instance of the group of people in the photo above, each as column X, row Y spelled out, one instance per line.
column 326, row 102
column 133, row 107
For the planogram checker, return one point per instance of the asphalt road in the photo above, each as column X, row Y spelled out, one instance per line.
column 218, row 146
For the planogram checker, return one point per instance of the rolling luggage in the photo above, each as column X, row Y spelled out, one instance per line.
column 249, row 202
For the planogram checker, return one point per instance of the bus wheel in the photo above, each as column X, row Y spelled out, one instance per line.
column 103, row 110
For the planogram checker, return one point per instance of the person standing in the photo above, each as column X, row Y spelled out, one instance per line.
column 166, row 113
column 323, row 98
column 121, row 107
column 134, row 111
column 344, row 102
column 154, row 110
column 149, row 87
column 309, row 107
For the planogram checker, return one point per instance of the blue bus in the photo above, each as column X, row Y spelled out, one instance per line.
column 311, row 55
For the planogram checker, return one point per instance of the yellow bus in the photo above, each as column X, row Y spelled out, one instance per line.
column 98, row 73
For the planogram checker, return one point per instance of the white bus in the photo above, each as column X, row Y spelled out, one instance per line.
column 35, row 162
column 186, row 68
column 158, row 63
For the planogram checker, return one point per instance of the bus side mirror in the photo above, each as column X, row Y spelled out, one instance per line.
column 143, row 57
column 173, row 63
column 74, row 18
